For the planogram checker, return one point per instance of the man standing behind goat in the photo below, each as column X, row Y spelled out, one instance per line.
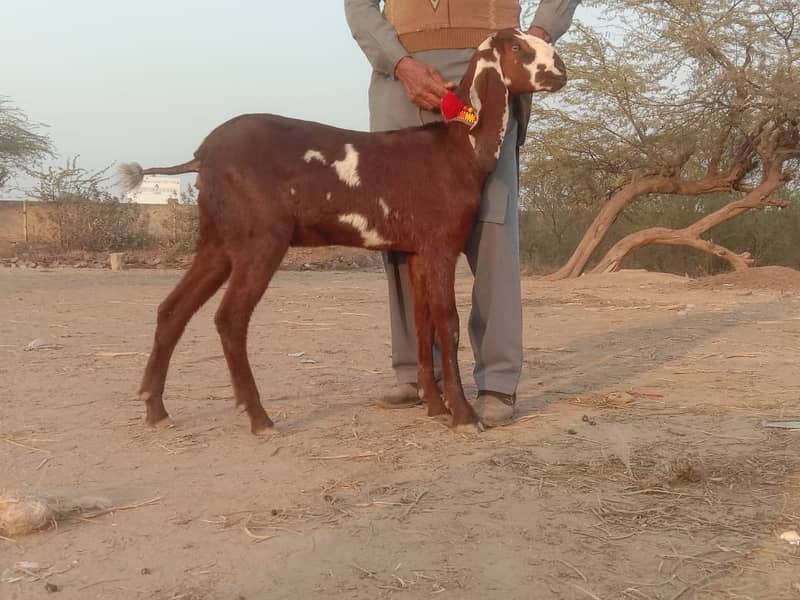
column 416, row 48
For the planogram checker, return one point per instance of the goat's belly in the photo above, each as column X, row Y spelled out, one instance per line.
column 310, row 236
column 313, row 238
column 356, row 235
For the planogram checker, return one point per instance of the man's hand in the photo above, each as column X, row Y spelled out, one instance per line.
column 423, row 84
column 540, row 33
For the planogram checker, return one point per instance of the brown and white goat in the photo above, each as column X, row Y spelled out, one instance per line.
column 266, row 183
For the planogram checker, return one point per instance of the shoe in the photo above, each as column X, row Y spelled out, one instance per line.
column 495, row 409
column 400, row 395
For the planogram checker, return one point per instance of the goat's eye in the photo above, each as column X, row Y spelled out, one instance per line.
column 515, row 48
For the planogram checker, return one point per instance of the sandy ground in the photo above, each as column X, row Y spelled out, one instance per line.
column 639, row 468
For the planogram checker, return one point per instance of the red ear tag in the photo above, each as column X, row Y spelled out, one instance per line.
column 453, row 109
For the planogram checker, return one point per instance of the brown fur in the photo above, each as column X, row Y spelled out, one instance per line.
column 258, row 196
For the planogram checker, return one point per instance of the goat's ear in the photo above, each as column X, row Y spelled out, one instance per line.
column 489, row 97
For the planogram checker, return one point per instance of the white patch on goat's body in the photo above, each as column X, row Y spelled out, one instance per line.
column 347, row 168
column 371, row 237
column 384, row 207
column 292, row 192
column 314, row 155
column 328, row 196
column 482, row 65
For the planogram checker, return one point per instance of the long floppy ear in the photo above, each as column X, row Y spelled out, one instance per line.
column 489, row 97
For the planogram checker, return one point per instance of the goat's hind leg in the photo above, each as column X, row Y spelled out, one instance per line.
column 253, row 268
column 423, row 324
column 208, row 272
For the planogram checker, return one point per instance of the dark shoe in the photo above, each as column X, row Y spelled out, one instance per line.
column 495, row 409
column 400, row 395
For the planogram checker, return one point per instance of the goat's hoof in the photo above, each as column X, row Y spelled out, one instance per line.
column 164, row 422
column 468, row 428
column 262, row 427
column 263, row 431
column 444, row 419
column 435, row 411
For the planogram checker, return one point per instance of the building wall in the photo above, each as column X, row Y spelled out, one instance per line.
column 12, row 228
column 12, row 220
column 156, row 189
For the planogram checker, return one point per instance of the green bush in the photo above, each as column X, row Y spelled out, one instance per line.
column 772, row 235
column 79, row 223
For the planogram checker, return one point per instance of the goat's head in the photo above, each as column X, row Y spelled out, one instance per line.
column 527, row 63
column 508, row 62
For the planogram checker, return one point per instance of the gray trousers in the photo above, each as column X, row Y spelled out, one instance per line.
column 495, row 322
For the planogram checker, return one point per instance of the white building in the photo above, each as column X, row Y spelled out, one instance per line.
column 156, row 189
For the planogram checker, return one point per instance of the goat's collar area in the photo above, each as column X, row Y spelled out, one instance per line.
column 453, row 109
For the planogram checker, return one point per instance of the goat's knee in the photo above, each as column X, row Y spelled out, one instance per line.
column 455, row 337
column 165, row 322
column 164, row 312
column 228, row 326
column 223, row 323
column 449, row 323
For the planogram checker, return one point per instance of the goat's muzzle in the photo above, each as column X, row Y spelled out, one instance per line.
column 554, row 81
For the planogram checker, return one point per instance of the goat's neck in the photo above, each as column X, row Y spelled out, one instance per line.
column 484, row 90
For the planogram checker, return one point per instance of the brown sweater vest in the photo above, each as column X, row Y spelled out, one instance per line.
column 438, row 24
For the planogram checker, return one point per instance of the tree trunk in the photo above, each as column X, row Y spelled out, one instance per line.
column 653, row 184
column 596, row 232
column 690, row 236
column 612, row 261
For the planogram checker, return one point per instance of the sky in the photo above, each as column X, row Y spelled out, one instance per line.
column 146, row 80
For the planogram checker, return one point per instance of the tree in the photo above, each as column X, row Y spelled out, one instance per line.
column 70, row 182
column 83, row 215
column 22, row 145
column 679, row 99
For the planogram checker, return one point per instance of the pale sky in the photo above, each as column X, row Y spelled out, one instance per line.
column 146, row 80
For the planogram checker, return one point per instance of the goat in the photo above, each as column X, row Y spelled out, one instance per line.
column 267, row 183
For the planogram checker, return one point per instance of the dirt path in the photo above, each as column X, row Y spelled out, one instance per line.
column 639, row 468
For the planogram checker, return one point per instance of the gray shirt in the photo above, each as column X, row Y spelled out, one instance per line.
column 378, row 38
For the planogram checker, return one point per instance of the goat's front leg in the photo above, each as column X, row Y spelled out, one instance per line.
column 442, row 297
column 423, row 323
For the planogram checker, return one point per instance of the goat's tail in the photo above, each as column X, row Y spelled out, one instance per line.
column 132, row 174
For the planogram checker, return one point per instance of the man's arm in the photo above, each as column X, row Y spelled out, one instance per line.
column 553, row 18
column 376, row 36
column 378, row 39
